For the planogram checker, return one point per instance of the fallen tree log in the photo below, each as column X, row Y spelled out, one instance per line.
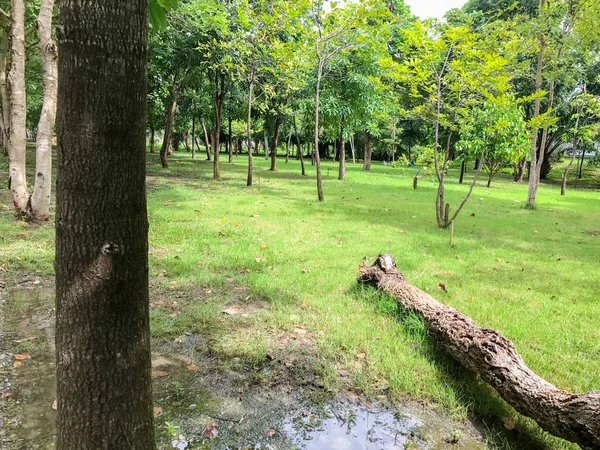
column 574, row 417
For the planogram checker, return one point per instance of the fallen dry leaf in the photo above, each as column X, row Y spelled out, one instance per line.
column 27, row 339
column 305, row 270
column 159, row 373
column 17, row 364
column 442, row 287
column 498, row 260
column 22, row 357
column 270, row 356
column 361, row 355
column 300, row 330
column 192, row 367
column 263, row 247
column 260, row 259
column 5, row 395
column 210, row 430
column 270, row 432
column 231, row 311
column 509, row 423
column 352, row 397
column 157, row 411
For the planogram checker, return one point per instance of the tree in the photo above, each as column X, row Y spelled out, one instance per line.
column 499, row 129
column 104, row 388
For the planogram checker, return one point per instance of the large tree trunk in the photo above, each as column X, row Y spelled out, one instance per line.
column 104, row 390
column 40, row 198
column 299, row 147
column 166, row 144
column 275, row 143
column 17, row 137
column 575, row 417
column 368, row 150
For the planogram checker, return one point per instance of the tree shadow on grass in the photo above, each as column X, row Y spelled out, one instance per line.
column 478, row 398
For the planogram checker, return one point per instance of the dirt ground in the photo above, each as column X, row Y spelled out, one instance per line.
column 206, row 399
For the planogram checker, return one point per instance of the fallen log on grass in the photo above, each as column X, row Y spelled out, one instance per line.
column 574, row 417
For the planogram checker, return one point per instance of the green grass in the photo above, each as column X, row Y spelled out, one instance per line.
column 529, row 274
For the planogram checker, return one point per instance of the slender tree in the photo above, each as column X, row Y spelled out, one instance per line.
column 102, row 310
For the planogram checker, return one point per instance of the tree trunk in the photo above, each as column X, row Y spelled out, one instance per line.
column 17, row 138
column 275, row 143
column 219, row 98
column 368, row 150
column 230, row 141
column 489, row 181
column 519, row 170
column 463, row 168
column 317, row 157
column 193, row 137
column 249, row 128
column 104, row 390
column 299, row 147
column 580, row 171
column 266, row 144
column 206, row 141
column 4, row 90
column 287, row 147
column 342, row 169
column 533, row 170
column 575, row 417
column 166, row 144
column 40, row 198
column 152, row 139
column 352, row 149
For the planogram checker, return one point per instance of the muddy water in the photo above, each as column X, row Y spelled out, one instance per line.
column 246, row 414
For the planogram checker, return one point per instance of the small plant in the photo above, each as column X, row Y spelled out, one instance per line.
column 172, row 430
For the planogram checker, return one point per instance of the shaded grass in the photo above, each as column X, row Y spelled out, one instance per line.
column 528, row 274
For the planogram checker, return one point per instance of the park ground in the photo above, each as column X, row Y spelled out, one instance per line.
column 254, row 299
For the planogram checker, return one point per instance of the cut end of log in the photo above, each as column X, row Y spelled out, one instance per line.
column 384, row 265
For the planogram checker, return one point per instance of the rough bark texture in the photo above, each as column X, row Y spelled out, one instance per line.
column 218, row 99
column 17, row 137
column 166, row 144
column 151, row 139
column 575, row 417
column 206, row 140
column 368, row 151
column 104, row 391
column 316, row 156
column 40, row 197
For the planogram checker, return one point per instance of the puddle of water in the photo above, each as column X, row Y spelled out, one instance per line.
column 351, row 427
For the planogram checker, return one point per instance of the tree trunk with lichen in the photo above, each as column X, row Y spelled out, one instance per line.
column 104, row 390
column 575, row 417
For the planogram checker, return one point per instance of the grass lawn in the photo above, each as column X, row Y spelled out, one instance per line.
column 532, row 275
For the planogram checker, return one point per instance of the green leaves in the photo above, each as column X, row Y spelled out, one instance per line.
column 158, row 12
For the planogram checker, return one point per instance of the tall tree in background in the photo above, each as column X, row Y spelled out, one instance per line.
column 17, row 133
column 102, row 310
column 40, row 197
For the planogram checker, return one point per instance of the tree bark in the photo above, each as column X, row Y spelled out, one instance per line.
column 104, row 391
column 368, row 151
column 152, row 139
column 463, row 167
column 575, row 417
column 17, row 137
column 352, row 149
column 230, row 141
column 166, row 144
column 4, row 90
column 299, row 147
column 249, row 128
column 219, row 99
column 287, row 147
column 40, row 197
column 275, row 144
column 342, row 168
column 193, row 137
column 206, row 141
column 317, row 157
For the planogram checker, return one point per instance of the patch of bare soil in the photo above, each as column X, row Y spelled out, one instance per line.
column 206, row 396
